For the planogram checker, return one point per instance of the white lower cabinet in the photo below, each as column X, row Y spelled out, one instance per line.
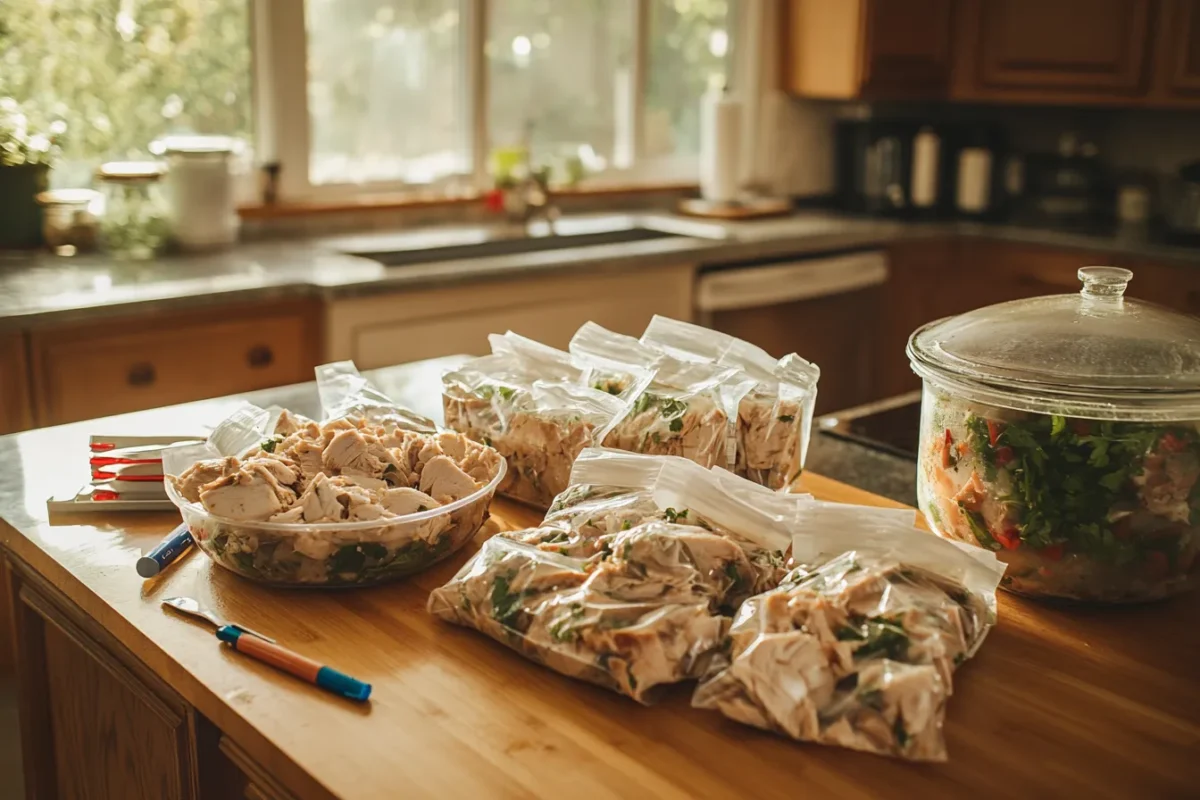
column 402, row 326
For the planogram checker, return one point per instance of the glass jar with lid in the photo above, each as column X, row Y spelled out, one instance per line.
column 1063, row 433
column 68, row 225
column 136, row 221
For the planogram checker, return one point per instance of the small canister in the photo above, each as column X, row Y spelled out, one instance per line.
column 201, row 189
column 67, row 222
column 136, row 223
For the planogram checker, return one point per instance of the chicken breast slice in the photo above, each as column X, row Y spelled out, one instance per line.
column 289, row 423
column 349, row 452
column 441, row 477
column 403, row 501
column 198, row 475
column 320, row 501
column 252, row 493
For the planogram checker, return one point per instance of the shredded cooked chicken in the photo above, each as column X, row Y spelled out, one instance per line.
column 853, row 654
column 641, row 612
column 343, row 470
column 540, row 440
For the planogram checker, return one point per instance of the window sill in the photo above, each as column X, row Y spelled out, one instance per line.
column 393, row 202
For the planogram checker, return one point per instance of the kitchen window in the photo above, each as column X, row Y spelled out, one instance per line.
column 117, row 75
column 353, row 97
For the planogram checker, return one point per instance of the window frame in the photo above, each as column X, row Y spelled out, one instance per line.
column 279, row 49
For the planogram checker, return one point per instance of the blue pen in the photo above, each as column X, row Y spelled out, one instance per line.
column 167, row 551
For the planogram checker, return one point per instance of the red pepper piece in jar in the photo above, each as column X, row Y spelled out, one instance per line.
column 994, row 431
column 1004, row 455
column 1053, row 553
column 1009, row 538
column 1170, row 443
column 1081, row 427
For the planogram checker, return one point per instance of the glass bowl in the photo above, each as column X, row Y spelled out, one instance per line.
column 341, row 554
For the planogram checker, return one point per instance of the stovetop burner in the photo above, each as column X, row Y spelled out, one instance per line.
column 892, row 425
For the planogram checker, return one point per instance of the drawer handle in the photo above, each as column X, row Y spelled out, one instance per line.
column 260, row 356
column 141, row 374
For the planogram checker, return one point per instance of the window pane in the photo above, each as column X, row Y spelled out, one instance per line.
column 688, row 48
column 562, row 67
column 121, row 74
column 386, row 91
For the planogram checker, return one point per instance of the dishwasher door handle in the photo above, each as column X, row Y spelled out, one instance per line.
column 773, row 284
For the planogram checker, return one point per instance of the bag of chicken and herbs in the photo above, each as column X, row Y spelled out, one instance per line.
column 857, row 645
column 534, row 405
column 689, row 409
column 618, row 587
column 774, row 419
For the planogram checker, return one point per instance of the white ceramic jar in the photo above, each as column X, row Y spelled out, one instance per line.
column 201, row 189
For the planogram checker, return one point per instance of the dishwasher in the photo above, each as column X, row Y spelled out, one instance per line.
column 825, row 307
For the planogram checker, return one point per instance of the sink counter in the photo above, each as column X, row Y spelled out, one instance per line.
column 42, row 289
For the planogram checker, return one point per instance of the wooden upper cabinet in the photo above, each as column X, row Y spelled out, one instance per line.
column 1082, row 51
column 849, row 49
column 1177, row 69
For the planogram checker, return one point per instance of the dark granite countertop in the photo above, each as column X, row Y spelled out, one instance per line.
column 44, row 290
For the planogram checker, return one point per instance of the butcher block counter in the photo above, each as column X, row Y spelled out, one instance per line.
column 119, row 699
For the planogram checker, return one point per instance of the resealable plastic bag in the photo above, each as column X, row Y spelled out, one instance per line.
column 689, row 409
column 857, row 645
column 774, row 418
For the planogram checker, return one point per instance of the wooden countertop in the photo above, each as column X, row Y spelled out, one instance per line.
column 1060, row 701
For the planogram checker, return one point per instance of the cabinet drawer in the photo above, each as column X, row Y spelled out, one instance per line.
column 129, row 365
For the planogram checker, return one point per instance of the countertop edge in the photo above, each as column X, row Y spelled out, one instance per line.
column 814, row 235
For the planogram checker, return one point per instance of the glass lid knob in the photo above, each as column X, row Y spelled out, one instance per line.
column 1105, row 282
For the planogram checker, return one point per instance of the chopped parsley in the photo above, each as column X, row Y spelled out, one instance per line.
column 506, row 604
column 880, row 637
column 785, row 418
column 1068, row 476
column 674, row 516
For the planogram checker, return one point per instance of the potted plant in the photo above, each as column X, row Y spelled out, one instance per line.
column 25, row 157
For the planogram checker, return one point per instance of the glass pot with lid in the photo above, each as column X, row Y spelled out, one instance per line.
column 1063, row 433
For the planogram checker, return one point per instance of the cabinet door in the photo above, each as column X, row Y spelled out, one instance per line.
column 1048, row 49
column 92, row 727
column 1179, row 42
column 848, row 49
column 906, row 47
column 16, row 410
column 919, row 290
column 1000, row 271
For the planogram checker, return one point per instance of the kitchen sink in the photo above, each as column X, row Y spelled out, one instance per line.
column 484, row 242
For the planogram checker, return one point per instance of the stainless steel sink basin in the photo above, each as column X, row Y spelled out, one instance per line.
column 432, row 246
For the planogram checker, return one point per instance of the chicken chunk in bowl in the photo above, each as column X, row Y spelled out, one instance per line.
column 342, row 503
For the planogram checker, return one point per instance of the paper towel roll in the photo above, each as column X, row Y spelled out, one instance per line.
column 720, row 146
